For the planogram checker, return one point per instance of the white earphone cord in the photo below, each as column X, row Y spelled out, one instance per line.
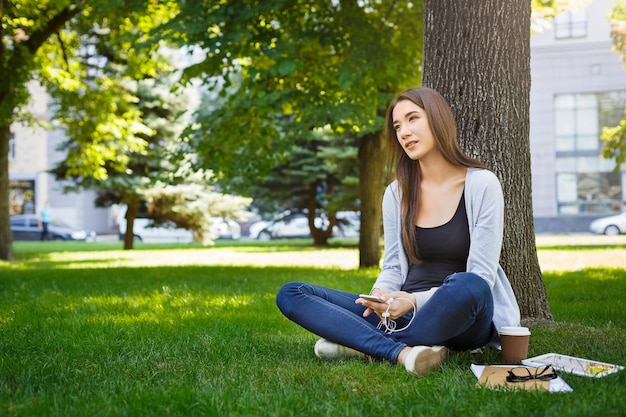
column 390, row 324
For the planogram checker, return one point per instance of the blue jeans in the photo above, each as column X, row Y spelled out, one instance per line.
column 458, row 315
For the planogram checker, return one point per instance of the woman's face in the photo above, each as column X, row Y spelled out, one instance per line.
column 413, row 130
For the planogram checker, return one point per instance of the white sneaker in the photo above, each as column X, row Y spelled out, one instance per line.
column 330, row 351
column 422, row 359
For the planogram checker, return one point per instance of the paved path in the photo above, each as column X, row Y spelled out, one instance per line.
column 550, row 260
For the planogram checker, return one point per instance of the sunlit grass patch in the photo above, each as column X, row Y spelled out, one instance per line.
column 588, row 296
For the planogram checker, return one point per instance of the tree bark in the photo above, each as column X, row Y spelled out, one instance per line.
column 372, row 159
column 477, row 54
column 6, row 237
column 322, row 233
column 132, row 207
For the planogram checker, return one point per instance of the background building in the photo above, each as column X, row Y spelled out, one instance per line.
column 32, row 151
column 578, row 86
column 28, row 148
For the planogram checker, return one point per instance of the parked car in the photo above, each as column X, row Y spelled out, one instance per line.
column 256, row 228
column 26, row 227
column 296, row 225
column 144, row 230
column 226, row 229
column 349, row 224
column 287, row 226
column 610, row 225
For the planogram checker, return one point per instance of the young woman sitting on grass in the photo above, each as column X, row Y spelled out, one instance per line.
column 441, row 286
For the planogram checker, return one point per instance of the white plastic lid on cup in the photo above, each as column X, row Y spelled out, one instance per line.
column 514, row 331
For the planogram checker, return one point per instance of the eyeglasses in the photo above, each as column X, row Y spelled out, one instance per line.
column 522, row 374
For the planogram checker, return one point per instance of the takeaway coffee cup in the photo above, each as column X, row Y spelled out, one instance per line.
column 514, row 341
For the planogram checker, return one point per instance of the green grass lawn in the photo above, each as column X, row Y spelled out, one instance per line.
column 85, row 332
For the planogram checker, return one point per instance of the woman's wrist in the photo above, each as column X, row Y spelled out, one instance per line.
column 377, row 291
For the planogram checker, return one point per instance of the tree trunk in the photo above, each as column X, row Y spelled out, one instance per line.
column 477, row 54
column 131, row 214
column 372, row 159
column 6, row 237
column 322, row 233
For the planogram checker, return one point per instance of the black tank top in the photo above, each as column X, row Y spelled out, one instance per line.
column 443, row 250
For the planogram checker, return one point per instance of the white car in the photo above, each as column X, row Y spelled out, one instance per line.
column 349, row 224
column 226, row 229
column 289, row 226
column 611, row 225
column 256, row 228
column 143, row 231
column 296, row 225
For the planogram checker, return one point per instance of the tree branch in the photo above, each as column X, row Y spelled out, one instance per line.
column 37, row 38
column 389, row 10
column 67, row 64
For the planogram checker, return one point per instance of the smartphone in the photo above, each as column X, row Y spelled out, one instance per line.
column 374, row 298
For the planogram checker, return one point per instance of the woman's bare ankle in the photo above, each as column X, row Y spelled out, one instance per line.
column 401, row 355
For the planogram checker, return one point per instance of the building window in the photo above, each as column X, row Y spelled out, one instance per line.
column 598, row 192
column 571, row 24
column 585, row 181
column 11, row 147
column 576, row 122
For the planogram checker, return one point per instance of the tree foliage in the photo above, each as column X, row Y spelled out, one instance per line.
column 319, row 178
column 158, row 169
column 53, row 41
column 193, row 204
column 159, row 108
column 92, row 70
column 287, row 67
column 24, row 28
column 101, row 63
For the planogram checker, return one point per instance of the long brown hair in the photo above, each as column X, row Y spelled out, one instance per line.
column 443, row 128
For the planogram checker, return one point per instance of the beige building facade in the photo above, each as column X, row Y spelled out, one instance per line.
column 32, row 152
column 28, row 159
column 578, row 86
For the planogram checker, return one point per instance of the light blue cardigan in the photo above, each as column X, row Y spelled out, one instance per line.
column 485, row 212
